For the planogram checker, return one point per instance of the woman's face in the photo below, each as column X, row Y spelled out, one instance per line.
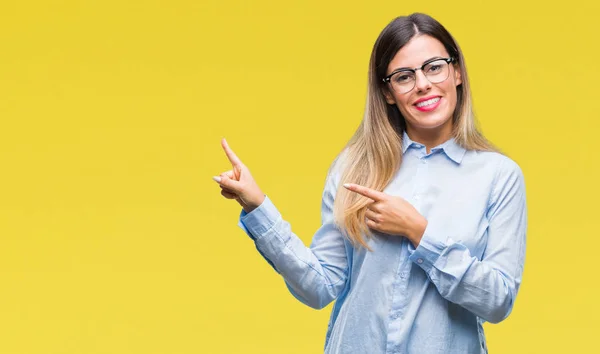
column 427, row 107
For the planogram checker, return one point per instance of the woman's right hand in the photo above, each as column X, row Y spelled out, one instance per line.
column 238, row 183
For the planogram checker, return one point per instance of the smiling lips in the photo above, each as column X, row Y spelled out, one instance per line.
column 428, row 104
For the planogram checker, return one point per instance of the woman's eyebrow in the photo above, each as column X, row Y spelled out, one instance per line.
column 425, row 62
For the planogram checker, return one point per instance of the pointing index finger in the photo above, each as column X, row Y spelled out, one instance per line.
column 235, row 161
column 365, row 191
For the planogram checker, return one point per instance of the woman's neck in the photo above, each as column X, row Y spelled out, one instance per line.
column 430, row 137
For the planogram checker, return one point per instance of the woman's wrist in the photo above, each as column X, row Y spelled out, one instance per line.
column 250, row 206
column 418, row 230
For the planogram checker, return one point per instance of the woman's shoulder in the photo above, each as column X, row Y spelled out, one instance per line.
column 339, row 162
column 495, row 158
column 335, row 171
column 500, row 164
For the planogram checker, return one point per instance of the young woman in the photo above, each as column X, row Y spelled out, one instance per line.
column 423, row 220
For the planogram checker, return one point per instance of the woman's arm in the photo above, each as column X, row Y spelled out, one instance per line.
column 315, row 275
column 486, row 287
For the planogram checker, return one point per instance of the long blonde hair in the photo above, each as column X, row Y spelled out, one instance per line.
column 374, row 153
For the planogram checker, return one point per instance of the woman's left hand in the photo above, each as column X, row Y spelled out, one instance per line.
column 391, row 215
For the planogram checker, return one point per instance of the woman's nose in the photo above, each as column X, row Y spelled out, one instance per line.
column 421, row 81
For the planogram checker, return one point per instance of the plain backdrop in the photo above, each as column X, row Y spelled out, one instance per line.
column 115, row 239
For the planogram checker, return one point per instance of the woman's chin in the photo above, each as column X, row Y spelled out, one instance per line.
column 430, row 123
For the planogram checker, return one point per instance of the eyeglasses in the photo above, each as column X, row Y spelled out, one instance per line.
column 435, row 70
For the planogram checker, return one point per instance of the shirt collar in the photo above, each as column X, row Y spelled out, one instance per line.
column 453, row 150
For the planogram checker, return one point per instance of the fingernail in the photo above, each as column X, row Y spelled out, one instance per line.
column 217, row 179
column 347, row 185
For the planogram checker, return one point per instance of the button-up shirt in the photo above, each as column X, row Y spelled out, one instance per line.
column 397, row 298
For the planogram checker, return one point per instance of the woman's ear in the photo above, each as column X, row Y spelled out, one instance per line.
column 457, row 75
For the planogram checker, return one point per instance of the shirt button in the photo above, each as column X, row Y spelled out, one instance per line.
column 420, row 260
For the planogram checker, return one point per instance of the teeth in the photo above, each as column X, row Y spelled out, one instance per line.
column 428, row 102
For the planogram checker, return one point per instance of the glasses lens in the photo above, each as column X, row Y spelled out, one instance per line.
column 403, row 81
column 436, row 71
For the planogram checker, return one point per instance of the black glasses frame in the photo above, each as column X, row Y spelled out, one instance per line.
column 414, row 71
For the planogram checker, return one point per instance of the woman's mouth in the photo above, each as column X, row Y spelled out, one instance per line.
column 429, row 104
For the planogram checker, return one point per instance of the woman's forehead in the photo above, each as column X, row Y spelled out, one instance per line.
column 418, row 50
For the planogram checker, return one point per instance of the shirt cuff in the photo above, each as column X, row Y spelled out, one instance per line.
column 260, row 220
column 429, row 250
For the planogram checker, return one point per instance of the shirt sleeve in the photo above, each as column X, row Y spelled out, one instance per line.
column 486, row 287
column 315, row 275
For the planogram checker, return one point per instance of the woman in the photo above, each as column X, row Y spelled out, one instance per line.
column 424, row 221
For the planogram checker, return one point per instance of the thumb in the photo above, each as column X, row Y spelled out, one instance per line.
column 228, row 183
column 229, row 174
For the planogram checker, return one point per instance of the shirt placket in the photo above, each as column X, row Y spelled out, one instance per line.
column 399, row 298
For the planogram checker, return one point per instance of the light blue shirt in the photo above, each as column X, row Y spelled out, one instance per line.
column 397, row 299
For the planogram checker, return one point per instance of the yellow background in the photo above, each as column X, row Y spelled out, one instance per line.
column 115, row 239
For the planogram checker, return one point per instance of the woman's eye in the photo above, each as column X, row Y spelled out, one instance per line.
column 434, row 68
column 402, row 78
